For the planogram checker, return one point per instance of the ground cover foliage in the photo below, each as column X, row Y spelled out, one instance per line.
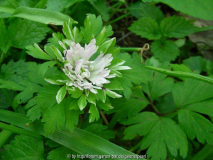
column 76, row 78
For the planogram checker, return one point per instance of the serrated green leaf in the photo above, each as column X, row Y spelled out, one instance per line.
column 94, row 114
column 124, row 108
column 177, row 27
column 37, row 52
column 146, row 28
column 160, row 134
column 61, row 94
column 196, row 8
column 41, row 15
column 136, row 74
column 141, row 124
column 59, row 153
column 24, row 147
column 140, row 10
column 100, row 130
column 54, row 116
column 164, row 50
column 196, row 125
column 23, row 33
column 82, row 102
column 71, row 33
column 183, row 96
column 92, row 26
column 159, row 86
column 196, row 63
column 105, row 32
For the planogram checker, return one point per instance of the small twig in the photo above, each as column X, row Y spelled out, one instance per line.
column 156, row 110
column 126, row 35
column 144, row 48
column 104, row 118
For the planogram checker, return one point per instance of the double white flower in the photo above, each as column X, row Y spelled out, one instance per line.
column 85, row 74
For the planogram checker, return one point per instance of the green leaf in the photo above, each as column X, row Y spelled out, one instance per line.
column 94, row 114
column 6, row 97
column 37, row 52
column 82, row 102
column 140, row 10
column 160, row 134
column 146, row 28
column 136, row 74
column 183, row 96
column 92, row 26
column 42, row 15
column 142, row 123
column 23, row 33
column 196, row 63
column 182, row 74
column 4, row 39
column 177, row 27
column 159, row 86
column 24, row 147
column 101, row 7
column 197, row 8
column 79, row 140
column 59, row 5
column 105, row 32
column 57, row 53
column 164, row 50
column 59, row 153
column 71, row 33
column 196, row 125
column 124, row 108
column 71, row 115
column 53, row 116
column 61, row 94
column 100, row 130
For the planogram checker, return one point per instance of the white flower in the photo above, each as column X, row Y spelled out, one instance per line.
column 83, row 73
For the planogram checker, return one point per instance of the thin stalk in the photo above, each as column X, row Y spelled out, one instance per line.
column 136, row 146
column 130, row 49
column 113, row 12
column 41, row 4
column 104, row 118
column 119, row 18
column 155, row 109
column 204, row 153
column 4, row 136
column 115, row 5
column 1, row 58
column 19, row 130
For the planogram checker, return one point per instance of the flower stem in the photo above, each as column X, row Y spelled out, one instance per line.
column 119, row 18
column 20, row 131
column 104, row 118
column 136, row 147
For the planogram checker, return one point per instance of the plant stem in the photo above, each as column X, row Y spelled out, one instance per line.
column 119, row 18
column 104, row 118
column 4, row 136
column 20, row 131
column 156, row 110
column 115, row 5
column 136, row 146
column 130, row 49
column 204, row 153
column 13, row 3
